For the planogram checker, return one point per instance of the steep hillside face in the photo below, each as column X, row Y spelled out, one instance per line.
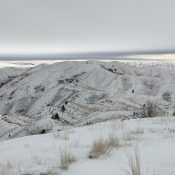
column 77, row 93
column 8, row 74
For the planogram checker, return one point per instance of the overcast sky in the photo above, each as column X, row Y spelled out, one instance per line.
column 77, row 26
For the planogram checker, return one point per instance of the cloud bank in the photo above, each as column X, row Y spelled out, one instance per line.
column 56, row 27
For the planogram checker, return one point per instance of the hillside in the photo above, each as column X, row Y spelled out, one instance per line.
column 53, row 97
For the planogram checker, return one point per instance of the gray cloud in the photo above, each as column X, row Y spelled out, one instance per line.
column 37, row 27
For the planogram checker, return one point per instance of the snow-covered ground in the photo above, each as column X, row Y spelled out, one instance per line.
column 153, row 137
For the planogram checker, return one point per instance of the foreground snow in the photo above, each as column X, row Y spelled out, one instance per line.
column 154, row 137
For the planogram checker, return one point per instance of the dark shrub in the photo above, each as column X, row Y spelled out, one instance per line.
column 174, row 113
column 63, row 108
column 149, row 110
column 166, row 96
column 55, row 116
column 43, row 131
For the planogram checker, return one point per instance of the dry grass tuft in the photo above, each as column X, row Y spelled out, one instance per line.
column 99, row 147
column 113, row 141
column 102, row 146
column 61, row 135
column 133, row 135
column 66, row 159
column 75, row 143
column 39, row 160
column 5, row 167
column 171, row 130
column 129, row 137
column 117, row 125
column 137, row 131
column 135, row 167
column 134, row 164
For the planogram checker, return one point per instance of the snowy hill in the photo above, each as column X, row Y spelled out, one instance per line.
column 52, row 97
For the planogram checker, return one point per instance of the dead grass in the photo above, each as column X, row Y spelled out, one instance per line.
column 171, row 130
column 113, row 141
column 164, row 120
column 99, row 147
column 137, row 131
column 135, row 167
column 129, row 137
column 134, row 164
column 39, row 160
column 66, row 159
column 117, row 125
column 133, row 135
column 5, row 167
column 102, row 146
column 61, row 135
column 75, row 143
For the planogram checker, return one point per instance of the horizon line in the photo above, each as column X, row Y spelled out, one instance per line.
column 88, row 55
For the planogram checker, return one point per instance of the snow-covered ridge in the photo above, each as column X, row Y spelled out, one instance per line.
column 170, row 65
column 51, row 97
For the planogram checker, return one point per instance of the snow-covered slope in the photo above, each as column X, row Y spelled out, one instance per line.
column 7, row 74
column 36, row 155
column 170, row 65
column 54, row 96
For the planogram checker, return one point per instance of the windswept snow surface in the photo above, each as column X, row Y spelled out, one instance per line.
column 32, row 99
column 153, row 137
